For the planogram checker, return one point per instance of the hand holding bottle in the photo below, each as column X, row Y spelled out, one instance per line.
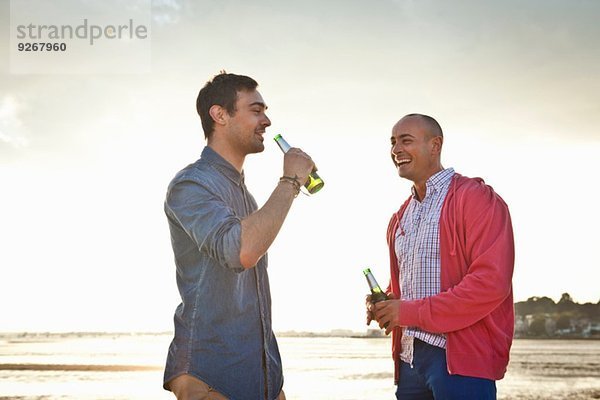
column 369, row 307
column 387, row 314
column 313, row 183
column 298, row 164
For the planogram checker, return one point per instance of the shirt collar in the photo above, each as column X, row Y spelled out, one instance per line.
column 436, row 181
column 222, row 165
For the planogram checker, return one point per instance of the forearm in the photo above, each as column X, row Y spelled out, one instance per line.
column 260, row 229
column 456, row 308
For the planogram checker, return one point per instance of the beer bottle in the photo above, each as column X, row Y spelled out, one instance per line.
column 314, row 183
column 376, row 293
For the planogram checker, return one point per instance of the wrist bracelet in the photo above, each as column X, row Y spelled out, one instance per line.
column 294, row 181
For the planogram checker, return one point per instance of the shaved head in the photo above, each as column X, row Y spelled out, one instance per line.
column 430, row 124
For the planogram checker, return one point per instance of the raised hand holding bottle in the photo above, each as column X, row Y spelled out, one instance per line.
column 314, row 182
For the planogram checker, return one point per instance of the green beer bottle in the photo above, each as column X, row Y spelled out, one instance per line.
column 314, row 183
column 376, row 293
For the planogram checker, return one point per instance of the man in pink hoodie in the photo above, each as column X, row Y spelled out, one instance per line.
column 451, row 259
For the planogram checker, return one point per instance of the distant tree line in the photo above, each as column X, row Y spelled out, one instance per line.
column 545, row 305
column 541, row 316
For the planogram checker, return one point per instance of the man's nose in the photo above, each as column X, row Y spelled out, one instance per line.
column 267, row 121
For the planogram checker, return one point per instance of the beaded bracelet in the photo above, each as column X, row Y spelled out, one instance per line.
column 294, row 181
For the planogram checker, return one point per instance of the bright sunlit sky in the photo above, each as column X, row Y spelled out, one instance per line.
column 85, row 159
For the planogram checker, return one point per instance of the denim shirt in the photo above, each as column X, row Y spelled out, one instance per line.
column 223, row 332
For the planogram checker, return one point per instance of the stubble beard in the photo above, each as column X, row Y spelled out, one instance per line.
column 248, row 144
column 258, row 145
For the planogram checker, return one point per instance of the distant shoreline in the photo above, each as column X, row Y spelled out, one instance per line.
column 77, row 367
column 28, row 336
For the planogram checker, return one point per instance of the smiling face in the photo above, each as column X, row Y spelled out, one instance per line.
column 246, row 126
column 415, row 149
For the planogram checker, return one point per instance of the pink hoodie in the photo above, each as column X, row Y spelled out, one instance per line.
column 475, row 306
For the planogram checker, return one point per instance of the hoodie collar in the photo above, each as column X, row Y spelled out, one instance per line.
column 436, row 182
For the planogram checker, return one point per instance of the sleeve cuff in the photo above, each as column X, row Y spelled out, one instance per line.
column 409, row 313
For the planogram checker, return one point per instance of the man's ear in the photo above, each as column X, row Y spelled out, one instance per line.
column 218, row 113
column 436, row 144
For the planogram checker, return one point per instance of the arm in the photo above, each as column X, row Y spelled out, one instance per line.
column 261, row 227
column 488, row 279
column 194, row 207
column 214, row 227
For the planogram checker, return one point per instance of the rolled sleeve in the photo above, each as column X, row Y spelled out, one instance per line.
column 208, row 221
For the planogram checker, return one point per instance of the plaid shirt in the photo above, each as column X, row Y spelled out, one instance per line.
column 418, row 253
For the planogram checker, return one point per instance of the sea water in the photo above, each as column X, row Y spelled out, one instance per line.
column 130, row 366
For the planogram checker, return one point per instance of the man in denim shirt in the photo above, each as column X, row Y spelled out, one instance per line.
column 224, row 347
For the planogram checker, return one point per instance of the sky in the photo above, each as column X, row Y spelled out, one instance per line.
column 85, row 158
